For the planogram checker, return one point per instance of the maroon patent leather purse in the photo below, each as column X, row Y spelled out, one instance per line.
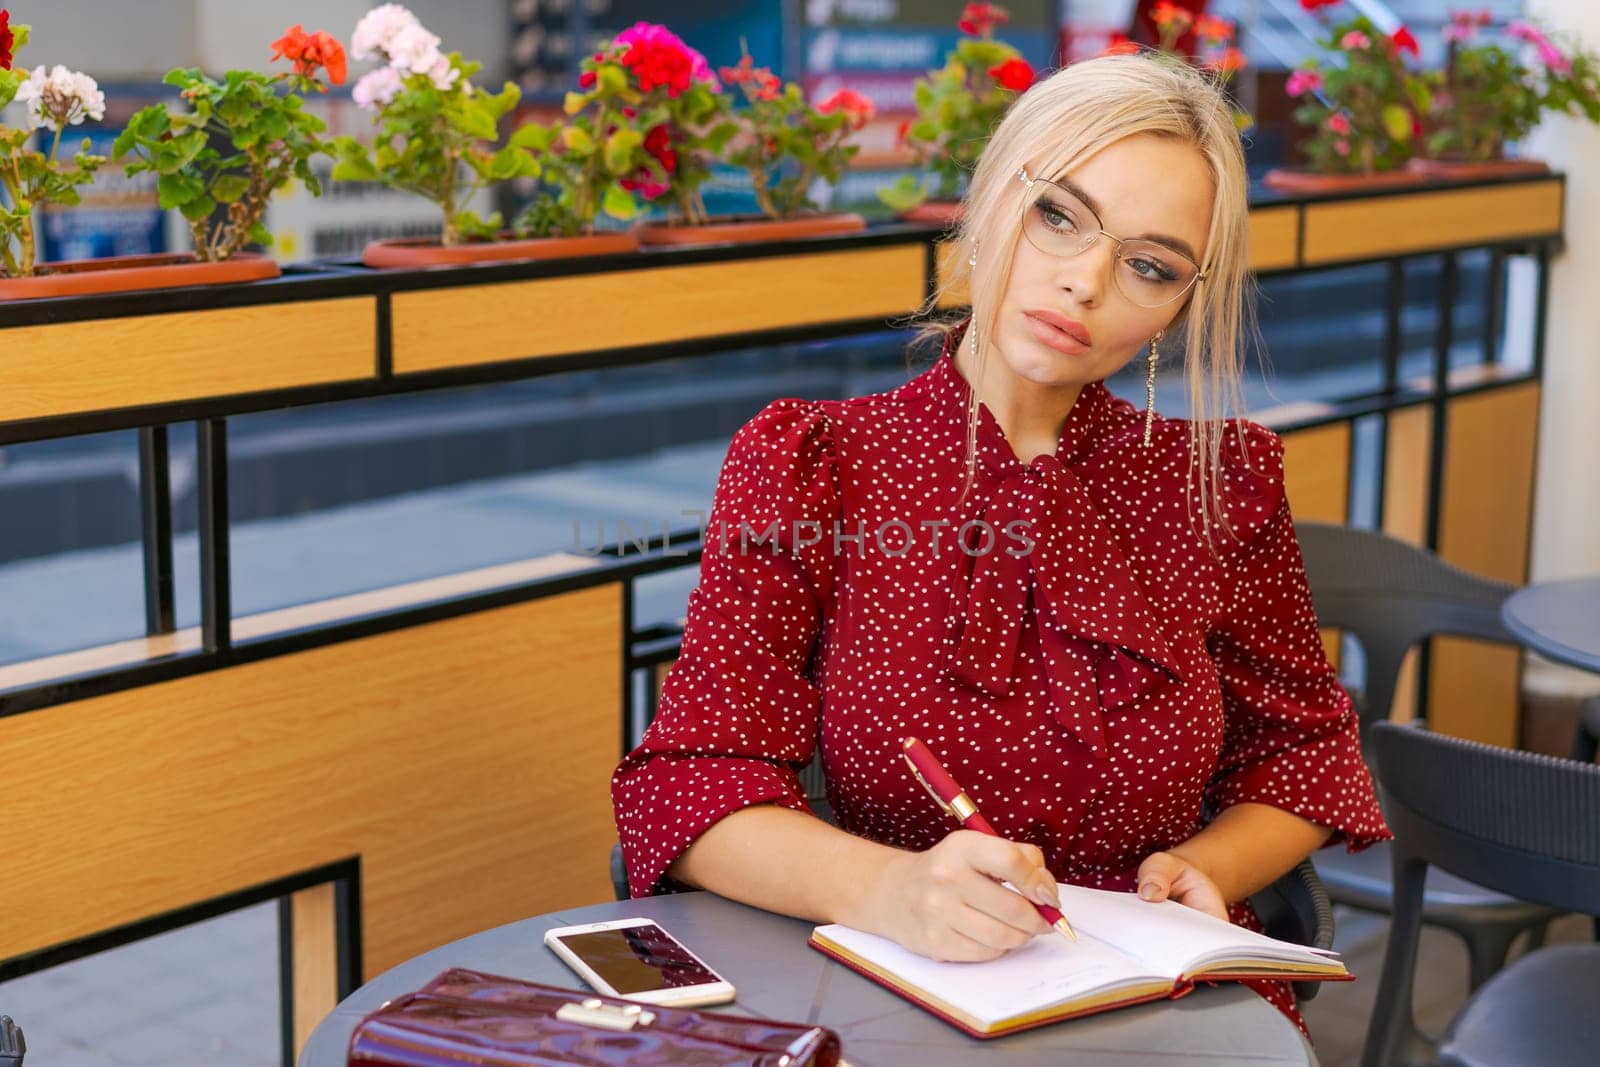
column 465, row 1017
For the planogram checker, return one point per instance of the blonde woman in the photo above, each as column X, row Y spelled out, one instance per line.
column 1096, row 617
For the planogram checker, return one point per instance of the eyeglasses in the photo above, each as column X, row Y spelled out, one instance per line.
column 1148, row 273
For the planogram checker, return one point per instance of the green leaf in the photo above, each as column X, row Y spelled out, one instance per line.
column 176, row 190
column 506, row 164
column 904, row 194
column 199, row 208
column 355, row 169
column 619, row 203
column 1397, row 122
column 259, row 234
column 610, row 79
column 229, row 188
column 577, row 140
column 502, row 102
column 619, row 150
column 478, row 120
column 532, row 136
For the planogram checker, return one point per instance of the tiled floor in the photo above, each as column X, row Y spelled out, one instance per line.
column 208, row 995
column 203, row 995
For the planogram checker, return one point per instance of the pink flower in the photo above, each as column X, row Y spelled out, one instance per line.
column 1342, row 147
column 1464, row 25
column 1302, row 82
column 1549, row 54
column 1338, row 123
column 1354, row 41
column 1552, row 57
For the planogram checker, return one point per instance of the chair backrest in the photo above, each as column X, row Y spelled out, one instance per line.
column 1521, row 823
column 1391, row 594
column 1516, row 822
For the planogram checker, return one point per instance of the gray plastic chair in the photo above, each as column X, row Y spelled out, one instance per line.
column 1520, row 823
column 1294, row 908
column 1391, row 595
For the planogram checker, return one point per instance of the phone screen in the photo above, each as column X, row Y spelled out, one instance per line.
column 636, row 959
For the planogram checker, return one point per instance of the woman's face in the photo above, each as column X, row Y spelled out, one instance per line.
column 1064, row 320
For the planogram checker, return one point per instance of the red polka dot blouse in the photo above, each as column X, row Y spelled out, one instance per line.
column 1094, row 672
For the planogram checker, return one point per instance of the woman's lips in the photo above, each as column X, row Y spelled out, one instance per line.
column 1058, row 332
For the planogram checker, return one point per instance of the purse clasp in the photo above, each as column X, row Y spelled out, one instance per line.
column 597, row 1013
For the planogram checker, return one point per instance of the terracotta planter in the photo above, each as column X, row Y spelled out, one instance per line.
column 746, row 229
column 1460, row 170
column 426, row 252
column 1293, row 180
column 944, row 212
column 121, row 274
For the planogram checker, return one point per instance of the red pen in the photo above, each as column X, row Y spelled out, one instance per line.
column 953, row 799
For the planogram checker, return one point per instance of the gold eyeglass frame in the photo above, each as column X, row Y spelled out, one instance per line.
column 1100, row 231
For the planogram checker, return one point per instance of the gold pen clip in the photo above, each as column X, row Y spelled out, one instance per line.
column 937, row 799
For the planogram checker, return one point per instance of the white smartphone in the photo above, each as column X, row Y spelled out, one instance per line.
column 637, row 959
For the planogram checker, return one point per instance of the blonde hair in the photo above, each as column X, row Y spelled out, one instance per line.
column 1059, row 123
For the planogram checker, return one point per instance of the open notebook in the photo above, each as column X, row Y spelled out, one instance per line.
column 1128, row 951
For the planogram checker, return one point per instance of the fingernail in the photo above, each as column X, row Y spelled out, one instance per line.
column 1149, row 891
column 1045, row 892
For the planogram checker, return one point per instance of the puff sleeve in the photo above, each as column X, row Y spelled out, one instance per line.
column 739, row 709
column 1292, row 738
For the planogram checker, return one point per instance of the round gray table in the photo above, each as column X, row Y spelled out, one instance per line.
column 778, row 976
column 1559, row 620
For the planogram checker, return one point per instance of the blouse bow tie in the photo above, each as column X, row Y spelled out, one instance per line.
column 1102, row 647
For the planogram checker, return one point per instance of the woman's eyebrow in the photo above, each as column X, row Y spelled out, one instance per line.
column 1177, row 244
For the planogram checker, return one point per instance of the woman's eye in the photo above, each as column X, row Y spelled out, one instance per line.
column 1055, row 217
column 1151, row 270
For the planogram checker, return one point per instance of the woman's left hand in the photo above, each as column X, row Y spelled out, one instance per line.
column 1165, row 875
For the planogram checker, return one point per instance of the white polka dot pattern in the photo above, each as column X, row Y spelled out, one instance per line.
column 1095, row 694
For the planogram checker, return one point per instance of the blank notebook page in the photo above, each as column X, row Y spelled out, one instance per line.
column 1047, row 970
column 1170, row 939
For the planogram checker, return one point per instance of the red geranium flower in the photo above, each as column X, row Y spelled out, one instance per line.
column 1403, row 41
column 1230, row 60
column 1120, row 45
column 901, row 132
column 852, row 103
column 7, row 39
column 310, row 51
column 1168, row 15
column 981, row 20
column 763, row 84
column 1014, row 74
column 1215, row 29
column 1315, row 5
column 658, row 142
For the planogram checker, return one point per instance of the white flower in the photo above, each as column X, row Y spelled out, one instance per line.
column 414, row 50
column 378, row 28
column 444, row 74
column 377, row 87
column 61, row 98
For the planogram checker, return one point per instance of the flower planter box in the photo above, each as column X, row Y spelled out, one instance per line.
column 417, row 252
column 946, row 213
column 1461, row 170
column 746, row 229
column 1293, row 180
column 121, row 274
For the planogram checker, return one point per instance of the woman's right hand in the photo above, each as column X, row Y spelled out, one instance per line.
column 948, row 904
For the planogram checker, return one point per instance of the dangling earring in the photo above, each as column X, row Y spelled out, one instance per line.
column 972, row 260
column 1150, row 388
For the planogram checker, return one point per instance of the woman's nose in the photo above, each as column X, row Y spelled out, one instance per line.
column 1087, row 275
